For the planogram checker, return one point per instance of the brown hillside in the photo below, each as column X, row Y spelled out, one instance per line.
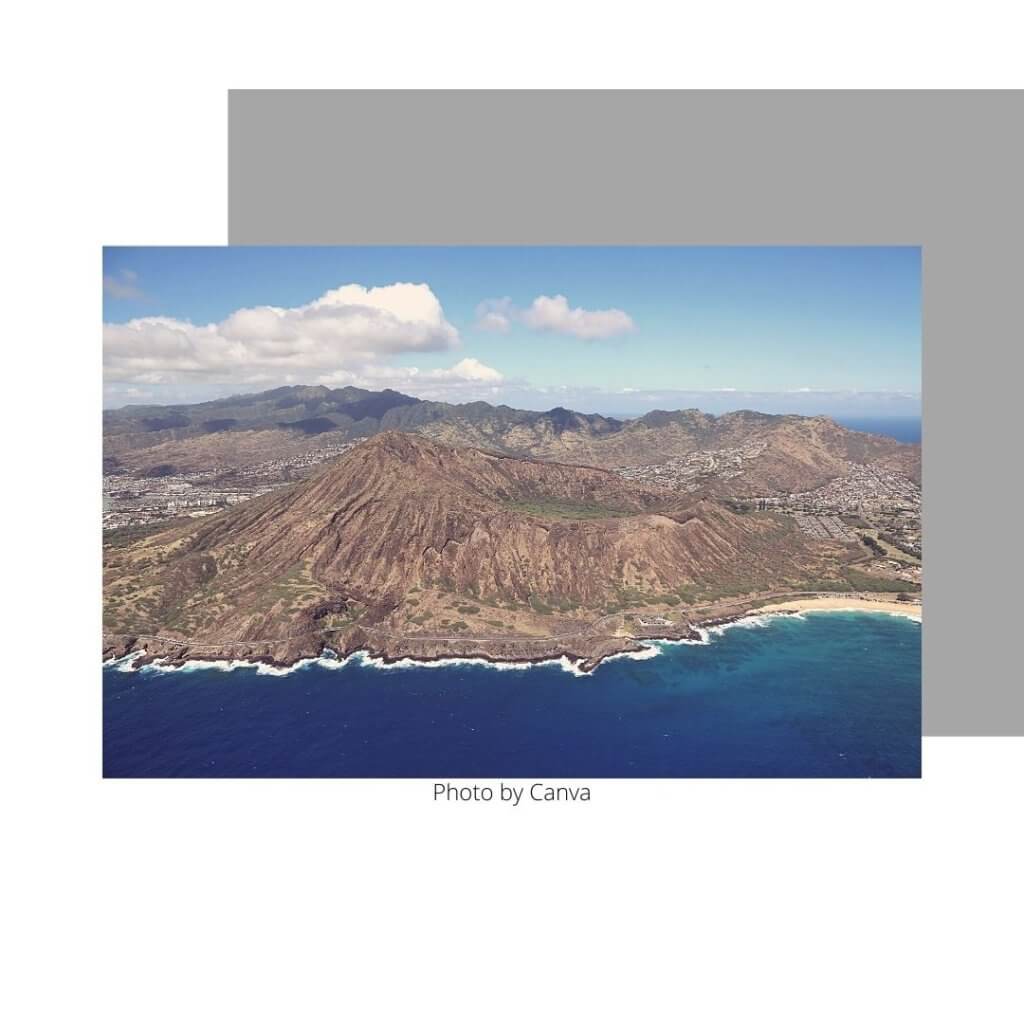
column 404, row 537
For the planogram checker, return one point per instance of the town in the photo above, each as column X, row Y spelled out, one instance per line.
column 874, row 505
column 162, row 494
column 688, row 472
column 868, row 497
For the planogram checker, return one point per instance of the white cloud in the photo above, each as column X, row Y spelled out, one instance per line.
column 465, row 369
column 555, row 315
column 346, row 330
column 468, row 379
column 470, row 369
column 496, row 322
column 495, row 315
column 122, row 285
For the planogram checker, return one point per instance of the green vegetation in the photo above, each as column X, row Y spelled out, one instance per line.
column 739, row 506
column 294, row 592
column 864, row 581
column 872, row 544
column 900, row 550
column 127, row 535
column 635, row 597
column 563, row 508
column 334, row 621
column 698, row 593
column 839, row 586
column 467, row 609
column 854, row 579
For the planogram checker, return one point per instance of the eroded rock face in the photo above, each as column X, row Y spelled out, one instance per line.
column 407, row 547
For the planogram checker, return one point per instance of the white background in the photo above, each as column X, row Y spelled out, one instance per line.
column 308, row 901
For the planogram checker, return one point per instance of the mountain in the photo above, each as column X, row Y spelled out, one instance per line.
column 749, row 453
column 405, row 546
column 349, row 413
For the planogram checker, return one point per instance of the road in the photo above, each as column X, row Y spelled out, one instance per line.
column 588, row 630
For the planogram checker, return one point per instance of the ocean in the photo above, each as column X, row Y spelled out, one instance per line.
column 902, row 428
column 820, row 695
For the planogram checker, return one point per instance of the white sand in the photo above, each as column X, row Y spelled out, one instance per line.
column 843, row 604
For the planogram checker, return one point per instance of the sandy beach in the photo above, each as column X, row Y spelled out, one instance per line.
column 841, row 604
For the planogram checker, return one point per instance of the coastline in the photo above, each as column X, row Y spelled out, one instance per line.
column 841, row 604
column 637, row 647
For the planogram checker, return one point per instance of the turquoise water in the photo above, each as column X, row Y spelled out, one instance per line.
column 829, row 694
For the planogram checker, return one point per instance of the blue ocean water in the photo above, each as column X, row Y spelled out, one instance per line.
column 829, row 694
column 902, row 428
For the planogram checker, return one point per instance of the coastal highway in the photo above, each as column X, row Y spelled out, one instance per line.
column 589, row 629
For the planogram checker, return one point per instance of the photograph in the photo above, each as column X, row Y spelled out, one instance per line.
column 516, row 434
column 480, row 512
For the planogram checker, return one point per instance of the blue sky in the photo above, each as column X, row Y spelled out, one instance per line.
column 616, row 330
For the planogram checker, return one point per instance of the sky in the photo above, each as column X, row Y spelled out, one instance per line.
column 616, row 330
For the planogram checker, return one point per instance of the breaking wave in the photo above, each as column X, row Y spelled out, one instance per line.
column 329, row 659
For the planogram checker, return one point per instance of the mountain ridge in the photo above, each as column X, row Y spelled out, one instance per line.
column 403, row 541
column 797, row 453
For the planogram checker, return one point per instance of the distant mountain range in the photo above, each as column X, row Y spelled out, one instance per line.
column 349, row 412
column 773, row 453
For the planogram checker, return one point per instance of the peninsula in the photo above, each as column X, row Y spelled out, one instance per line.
column 407, row 546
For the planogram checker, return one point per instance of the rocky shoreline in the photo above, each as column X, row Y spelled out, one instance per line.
column 584, row 652
column 178, row 654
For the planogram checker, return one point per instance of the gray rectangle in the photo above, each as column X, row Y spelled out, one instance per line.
column 941, row 169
